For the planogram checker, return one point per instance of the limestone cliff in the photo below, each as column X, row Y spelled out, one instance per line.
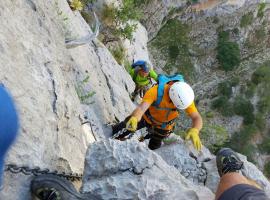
column 66, row 97
column 190, row 39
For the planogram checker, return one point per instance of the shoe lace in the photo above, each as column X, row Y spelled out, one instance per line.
column 232, row 165
column 50, row 194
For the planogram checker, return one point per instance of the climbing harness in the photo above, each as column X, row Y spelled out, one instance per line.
column 158, row 123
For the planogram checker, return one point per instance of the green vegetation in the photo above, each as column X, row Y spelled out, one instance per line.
column 249, row 150
column 219, row 102
column 209, row 115
column 76, row 5
column 254, row 119
column 234, row 81
column 250, row 89
column 228, row 54
column 223, row 105
column 225, row 88
column 214, row 136
column 173, row 42
column 85, row 2
column 118, row 53
column 265, row 146
column 192, row 2
column 118, row 26
column 83, row 95
column 260, row 33
column 261, row 8
column 249, row 44
column 266, row 169
column 172, row 12
column 264, row 104
column 244, row 108
column 180, row 133
column 236, row 31
column 139, row 3
column 261, row 77
column 215, row 20
column 127, row 65
column 117, row 19
column 79, row 4
column 246, row 20
column 169, row 141
column 260, row 121
column 262, row 74
column 239, row 141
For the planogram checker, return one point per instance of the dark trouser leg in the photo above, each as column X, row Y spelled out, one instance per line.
column 233, row 185
column 157, row 136
column 154, row 143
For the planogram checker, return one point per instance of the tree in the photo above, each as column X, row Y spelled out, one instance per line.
column 228, row 54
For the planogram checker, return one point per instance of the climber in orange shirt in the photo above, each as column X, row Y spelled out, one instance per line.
column 159, row 110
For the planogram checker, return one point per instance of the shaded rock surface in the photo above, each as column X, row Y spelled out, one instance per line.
column 65, row 98
column 181, row 157
column 135, row 172
column 43, row 77
column 129, row 170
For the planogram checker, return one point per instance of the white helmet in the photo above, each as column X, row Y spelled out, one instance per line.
column 181, row 94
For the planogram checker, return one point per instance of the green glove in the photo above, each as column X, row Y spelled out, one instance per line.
column 193, row 133
column 132, row 124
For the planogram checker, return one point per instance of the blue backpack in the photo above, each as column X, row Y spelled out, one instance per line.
column 162, row 81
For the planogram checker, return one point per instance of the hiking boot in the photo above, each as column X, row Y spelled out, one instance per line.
column 228, row 161
column 52, row 187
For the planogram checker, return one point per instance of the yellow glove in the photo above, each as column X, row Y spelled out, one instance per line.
column 132, row 124
column 193, row 133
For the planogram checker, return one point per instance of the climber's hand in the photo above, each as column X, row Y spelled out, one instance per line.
column 132, row 124
column 193, row 133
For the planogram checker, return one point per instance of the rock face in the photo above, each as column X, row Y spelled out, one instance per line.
column 156, row 12
column 179, row 156
column 109, row 81
column 65, row 97
column 35, row 68
column 247, row 24
column 137, row 48
column 46, row 81
column 129, row 170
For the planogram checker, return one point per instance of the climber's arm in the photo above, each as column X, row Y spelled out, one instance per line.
column 195, row 116
column 140, row 110
column 196, row 120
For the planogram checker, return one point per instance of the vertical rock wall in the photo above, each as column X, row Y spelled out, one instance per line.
column 42, row 75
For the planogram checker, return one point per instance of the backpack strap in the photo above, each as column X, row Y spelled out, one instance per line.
column 162, row 81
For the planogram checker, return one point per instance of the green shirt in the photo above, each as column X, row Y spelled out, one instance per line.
column 143, row 81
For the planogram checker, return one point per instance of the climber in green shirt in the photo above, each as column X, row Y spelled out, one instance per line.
column 141, row 75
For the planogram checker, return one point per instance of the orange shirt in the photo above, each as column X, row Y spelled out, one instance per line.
column 163, row 114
